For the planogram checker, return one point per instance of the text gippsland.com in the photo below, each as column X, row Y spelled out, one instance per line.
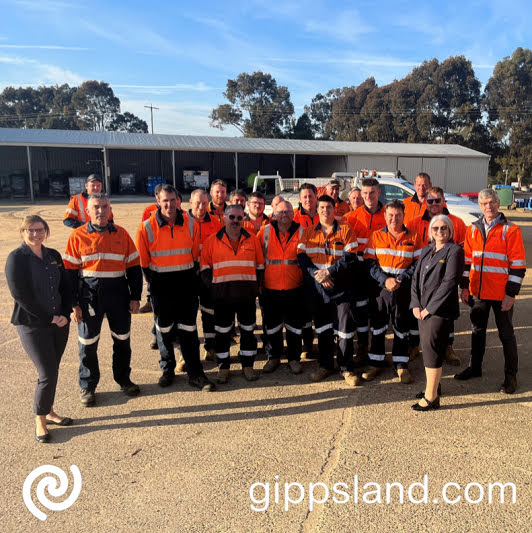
column 291, row 494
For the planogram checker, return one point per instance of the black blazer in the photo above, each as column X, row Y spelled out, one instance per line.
column 40, row 287
column 436, row 279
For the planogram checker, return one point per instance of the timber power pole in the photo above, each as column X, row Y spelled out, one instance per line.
column 151, row 108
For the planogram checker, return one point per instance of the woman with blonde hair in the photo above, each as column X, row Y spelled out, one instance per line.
column 37, row 281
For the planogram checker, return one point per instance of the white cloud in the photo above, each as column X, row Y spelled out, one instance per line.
column 43, row 47
column 195, row 87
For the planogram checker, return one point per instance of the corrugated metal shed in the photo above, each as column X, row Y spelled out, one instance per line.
column 145, row 141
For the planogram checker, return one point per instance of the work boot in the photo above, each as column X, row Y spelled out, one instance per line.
column 210, row 354
column 320, row 374
column 250, row 373
column 451, row 358
column 413, row 352
column 181, row 366
column 202, row 383
column 468, row 373
column 352, row 379
column 146, row 308
column 87, row 397
column 361, row 357
column 295, row 367
column 153, row 343
column 371, row 373
column 271, row 366
column 129, row 388
column 223, row 375
column 405, row 376
column 509, row 386
column 166, row 379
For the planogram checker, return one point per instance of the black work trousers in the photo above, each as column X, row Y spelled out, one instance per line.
column 174, row 299
column 45, row 347
column 224, row 321
column 283, row 308
column 479, row 314
column 206, row 307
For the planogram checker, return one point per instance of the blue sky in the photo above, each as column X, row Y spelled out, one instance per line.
column 178, row 55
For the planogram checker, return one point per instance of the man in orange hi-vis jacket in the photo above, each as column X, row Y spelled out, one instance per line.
column 106, row 280
column 390, row 258
column 232, row 266
column 495, row 265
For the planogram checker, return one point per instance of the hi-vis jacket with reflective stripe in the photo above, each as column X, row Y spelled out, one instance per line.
column 103, row 260
column 414, row 208
column 233, row 276
column 336, row 252
column 282, row 272
column 387, row 257
column 371, row 221
column 208, row 226
column 495, row 264
column 341, row 209
column 250, row 228
column 420, row 225
column 164, row 248
column 303, row 218
column 76, row 211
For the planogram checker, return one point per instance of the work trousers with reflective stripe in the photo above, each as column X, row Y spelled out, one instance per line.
column 206, row 306
column 383, row 306
column 224, row 316
column 175, row 308
column 359, row 305
column 283, row 308
column 116, row 307
column 330, row 319
column 479, row 313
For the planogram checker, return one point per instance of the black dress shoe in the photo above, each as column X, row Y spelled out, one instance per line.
column 129, row 388
column 509, row 386
column 435, row 404
column 421, row 394
column 468, row 373
column 42, row 438
column 65, row 422
column 166, row 379
column 202, row 383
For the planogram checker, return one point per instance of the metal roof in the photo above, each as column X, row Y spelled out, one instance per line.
column 146, row 141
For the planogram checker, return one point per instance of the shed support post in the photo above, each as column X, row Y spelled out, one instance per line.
column 293, row 158
column 106, row 173
column 30, row 175
column 173, row 168
column 236, row 170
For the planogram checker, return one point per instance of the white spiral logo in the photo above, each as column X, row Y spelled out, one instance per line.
column 49, row 483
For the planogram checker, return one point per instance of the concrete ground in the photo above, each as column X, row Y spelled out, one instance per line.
column 178, row 459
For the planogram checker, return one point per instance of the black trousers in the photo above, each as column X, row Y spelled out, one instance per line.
column 175, row 308
column 434, row 335
column 283, row 308
column 479, row 314
column 45, row 347
column 206, row 307
column 224, row 321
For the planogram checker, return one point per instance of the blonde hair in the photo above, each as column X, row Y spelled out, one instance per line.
column 33, row 219
column 446, row 220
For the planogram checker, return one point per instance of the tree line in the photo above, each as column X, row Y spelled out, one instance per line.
column 437, row 102
column 91, row 106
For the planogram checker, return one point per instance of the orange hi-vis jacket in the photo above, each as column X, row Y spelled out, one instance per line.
column 372, row 221
column 341, row 209
column 301, row 217
column 282, row 272
column 212, row 211
column 420, row 225
column 103, row 257
column 209, row 225
column 148, row 211
column 495, row 263
column 413, row 208
column 76, row 211
column 250, row 228
column 232, row 275
column 388, row 257
column 164, row 248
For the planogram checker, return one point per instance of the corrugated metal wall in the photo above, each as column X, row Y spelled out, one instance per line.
column 385, row 163
column 466, row 174
column 435, row 168
column 410, row 167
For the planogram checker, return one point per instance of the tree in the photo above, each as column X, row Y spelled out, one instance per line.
column 301, row 128
column 258, row 107
column 508, row 100
column 320, row 112
column 96, row 105
column 128, row 122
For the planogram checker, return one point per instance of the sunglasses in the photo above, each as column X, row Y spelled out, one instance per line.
column 39, row 231
column 236, row 217
column 431, row 201
column 439, row 228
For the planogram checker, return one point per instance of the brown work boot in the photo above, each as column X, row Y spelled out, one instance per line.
column 320, row 374
column 223, row 375
column 271, row 365
column 352, row 379
column 210, row 355
column 451, row 358
column 371, row 373
column 250, row 373
column 295, row 367
column 413, row 352
column 146, row 308
column 405, row 376
column 181, row 366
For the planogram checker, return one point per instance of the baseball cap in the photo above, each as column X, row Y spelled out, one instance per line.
column 93, row 177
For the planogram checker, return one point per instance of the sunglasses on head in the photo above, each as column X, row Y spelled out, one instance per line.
column 431, row 201
column 236, row 217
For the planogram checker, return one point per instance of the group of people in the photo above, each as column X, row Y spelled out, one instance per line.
column 344, row 266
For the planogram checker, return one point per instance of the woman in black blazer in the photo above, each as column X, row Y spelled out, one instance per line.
column 434, row 302
column 37, row 281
